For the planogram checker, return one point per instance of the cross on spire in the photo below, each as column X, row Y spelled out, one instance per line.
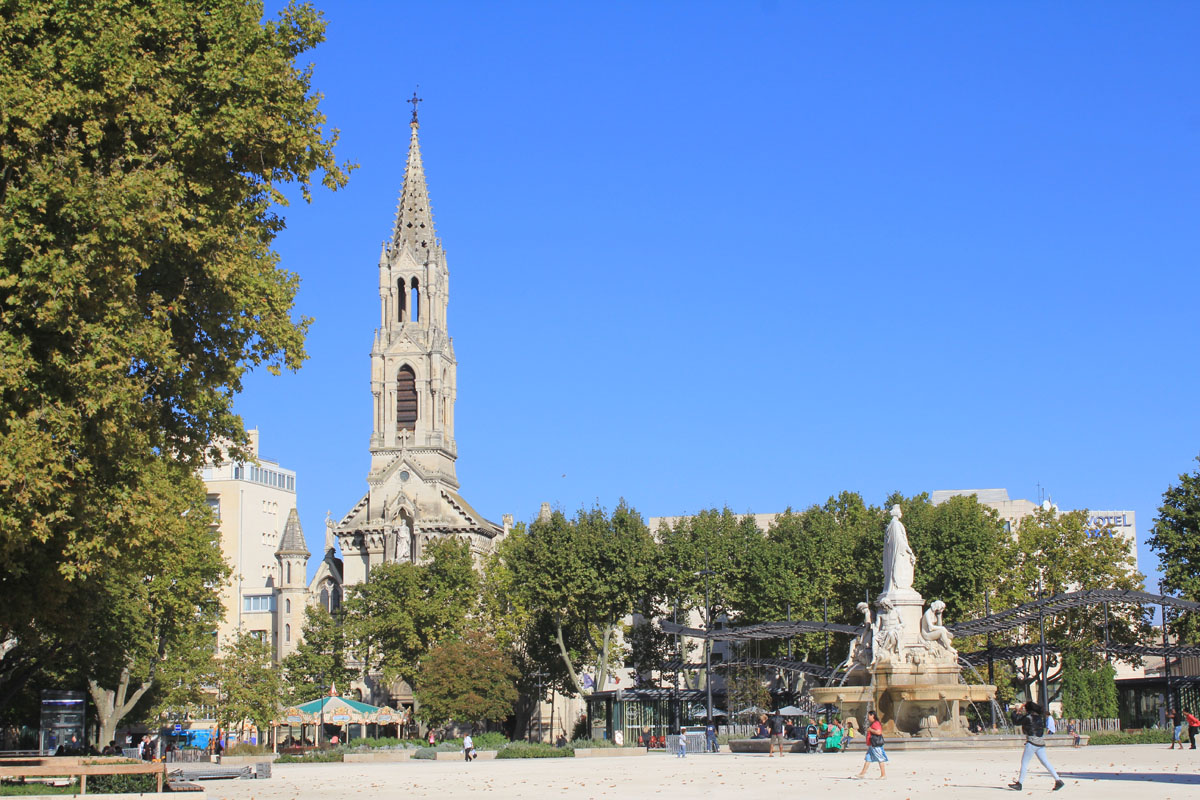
column 414, row 100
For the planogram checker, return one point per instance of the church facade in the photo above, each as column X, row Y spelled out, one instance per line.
column 413, row 495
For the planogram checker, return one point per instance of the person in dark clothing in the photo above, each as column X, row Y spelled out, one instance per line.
column 776, row 725
column 1028, row 717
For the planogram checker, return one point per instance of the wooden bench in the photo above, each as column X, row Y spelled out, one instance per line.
column 62, row 768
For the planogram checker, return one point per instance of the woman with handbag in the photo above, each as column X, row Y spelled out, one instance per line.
column 1028, row 716
column 875, row 750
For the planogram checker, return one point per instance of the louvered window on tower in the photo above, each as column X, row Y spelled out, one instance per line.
column 406, row 399
column 403, row 301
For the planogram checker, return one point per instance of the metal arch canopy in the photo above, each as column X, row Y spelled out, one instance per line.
column 761, row 630
column 1029, row 612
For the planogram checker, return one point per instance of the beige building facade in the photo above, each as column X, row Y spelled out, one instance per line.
column 255, row 511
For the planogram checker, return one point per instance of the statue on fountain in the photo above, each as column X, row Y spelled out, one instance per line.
column 899, row 561
column 934, row 632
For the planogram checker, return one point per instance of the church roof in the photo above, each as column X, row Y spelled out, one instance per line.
column 292, row 541
column 414, row 216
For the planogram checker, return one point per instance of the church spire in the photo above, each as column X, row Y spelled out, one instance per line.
column 414, row 217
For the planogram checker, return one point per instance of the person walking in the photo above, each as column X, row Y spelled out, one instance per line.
column 1175, row 720
column 1028, row 716
column 681, row 752
column 710, row 737
column 468, row 748
column 1193, row 728
column 776, row 728
column 875, row 751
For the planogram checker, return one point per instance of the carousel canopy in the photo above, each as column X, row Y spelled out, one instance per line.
column 339, row 711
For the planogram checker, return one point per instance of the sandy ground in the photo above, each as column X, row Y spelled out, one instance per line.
column 1141, row 772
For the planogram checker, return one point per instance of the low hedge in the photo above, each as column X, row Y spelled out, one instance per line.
column 312, row 757
column 1147, row 736
column 534, row 750
column 431, row 752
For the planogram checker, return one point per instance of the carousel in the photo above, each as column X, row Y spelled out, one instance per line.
column 333, row 719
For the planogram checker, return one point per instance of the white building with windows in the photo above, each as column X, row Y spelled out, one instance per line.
column 254, row 506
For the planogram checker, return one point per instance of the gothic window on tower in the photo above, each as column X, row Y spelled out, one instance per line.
column 402, row 301
column 416, row 301
column 406, row 399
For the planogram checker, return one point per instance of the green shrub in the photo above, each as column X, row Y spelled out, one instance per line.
column 593, row 743
column 1148, row 736
column 10, row 789
column 390, row 742
column 312, row 757
column 534, row 750
column 122, row 784
column 448, row 746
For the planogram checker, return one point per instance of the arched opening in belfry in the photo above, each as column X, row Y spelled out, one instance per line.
column 415, row 292
column 401, row 301
column 406, row 399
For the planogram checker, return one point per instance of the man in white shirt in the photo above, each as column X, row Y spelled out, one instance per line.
column 468, row 748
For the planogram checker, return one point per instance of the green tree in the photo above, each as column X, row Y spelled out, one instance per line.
column 961, row 549
column 152, row 612
column 469, row 679
column 1059, row 552
column 1089, row 687
column 144, row 153
column 1175, row 537
column 249, row 687
column 319, row 660
column 406, row 609
column 746, row 691
column 580, row 578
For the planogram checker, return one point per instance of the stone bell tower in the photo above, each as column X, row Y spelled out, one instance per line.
column 413, row 488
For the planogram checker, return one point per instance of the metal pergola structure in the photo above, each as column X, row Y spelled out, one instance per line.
column 1032, row 613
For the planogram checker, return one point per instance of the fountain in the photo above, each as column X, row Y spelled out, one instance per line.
column 903, row 664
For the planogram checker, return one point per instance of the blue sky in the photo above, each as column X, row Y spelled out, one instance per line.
column 753, row 254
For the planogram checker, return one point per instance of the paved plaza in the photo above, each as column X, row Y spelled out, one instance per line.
column 1091, row 772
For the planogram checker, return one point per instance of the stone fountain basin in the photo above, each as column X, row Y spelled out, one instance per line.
column 838, row 695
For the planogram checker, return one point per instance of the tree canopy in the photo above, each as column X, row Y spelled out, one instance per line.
column 145, row 150
column 405, row 609
column 1175, row 537
column 469, row 679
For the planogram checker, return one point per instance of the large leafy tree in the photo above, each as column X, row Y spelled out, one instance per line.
column 469, row 679
column 1175, row 537
column 149, row 615
column 580, row 578
column 144, row 153
column 319, row 660
column 1059, row 552
column 249, row 687
column 961, row 548
column 406, row 609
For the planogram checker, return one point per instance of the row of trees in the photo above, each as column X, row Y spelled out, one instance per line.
column 552, row 605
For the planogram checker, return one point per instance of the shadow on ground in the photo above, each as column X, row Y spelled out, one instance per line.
column 1144, row 777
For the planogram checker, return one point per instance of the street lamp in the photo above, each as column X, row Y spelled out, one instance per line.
column 1042, row 645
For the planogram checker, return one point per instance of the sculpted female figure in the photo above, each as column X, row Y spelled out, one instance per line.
column 898, row 559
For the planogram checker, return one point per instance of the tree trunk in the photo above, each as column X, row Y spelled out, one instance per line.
column 112, row 706
column 562, row 649
column 602, row 668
